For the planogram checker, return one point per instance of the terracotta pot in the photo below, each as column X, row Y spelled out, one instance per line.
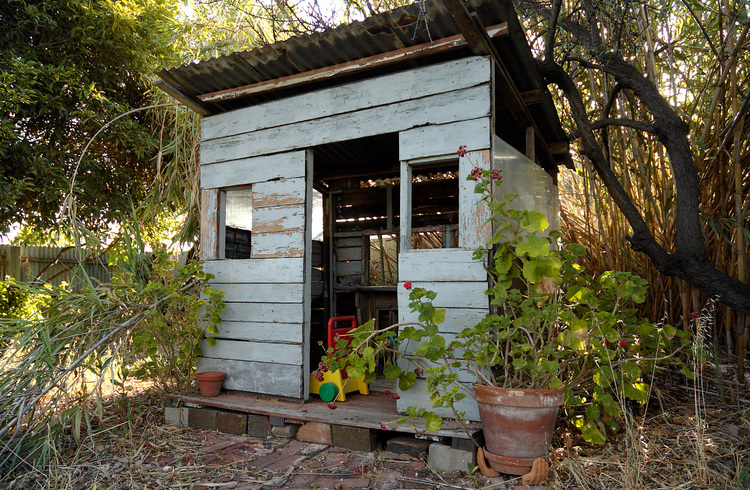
column 209, row 382
column 517, row 424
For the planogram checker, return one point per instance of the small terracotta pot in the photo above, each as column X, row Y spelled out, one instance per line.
column 209, row 382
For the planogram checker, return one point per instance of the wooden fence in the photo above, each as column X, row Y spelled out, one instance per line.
column 53, row 265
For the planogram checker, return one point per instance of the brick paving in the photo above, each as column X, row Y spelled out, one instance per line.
column 264, row 463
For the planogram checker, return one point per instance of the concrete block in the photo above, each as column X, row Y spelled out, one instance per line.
column 277, row 421
column 231, row 422
column 202, row 418
column 416, row 448
column 258, row 426
column 356, row 438
column 286, row 431
column 316, row 432
column 446, row 458
column 176, row 416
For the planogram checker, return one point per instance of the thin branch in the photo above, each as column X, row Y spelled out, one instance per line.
column 613, row 121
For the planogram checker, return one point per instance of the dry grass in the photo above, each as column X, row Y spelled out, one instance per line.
column 672, row 445
column 664, row 445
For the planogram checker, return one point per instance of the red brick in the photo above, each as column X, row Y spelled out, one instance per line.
column 316, row 432
column 328, row 483
column 276, row 461
column 285, row 462
column 301, row 481
column 356, row 438
column 231, row 422
column 217, row 447
column 355, row 483
column 293, row 447
column 336, row 459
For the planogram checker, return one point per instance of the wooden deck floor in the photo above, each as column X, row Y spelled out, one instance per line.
column 366, row 411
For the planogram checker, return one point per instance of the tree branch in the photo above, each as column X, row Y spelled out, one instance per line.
column 616, row 121
column 690, row 260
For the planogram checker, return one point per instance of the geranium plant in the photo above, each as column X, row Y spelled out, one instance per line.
column 549, row 326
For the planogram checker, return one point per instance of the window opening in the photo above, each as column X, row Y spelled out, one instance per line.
column 383, row 259
column 434, row 209
column 238, row 223
column 317, row 215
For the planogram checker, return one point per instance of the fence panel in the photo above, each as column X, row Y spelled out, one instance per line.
column 53, row 265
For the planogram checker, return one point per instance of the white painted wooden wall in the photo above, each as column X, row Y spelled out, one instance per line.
column 459, row 280
column 262, row 337
column 263, row 340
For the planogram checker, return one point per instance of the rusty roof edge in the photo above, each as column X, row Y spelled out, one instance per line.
column 280, row 69
column 347, row 67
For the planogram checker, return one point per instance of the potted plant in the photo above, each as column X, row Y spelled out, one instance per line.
column 553, row 335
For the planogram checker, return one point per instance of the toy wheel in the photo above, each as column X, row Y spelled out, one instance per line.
column 328, row 391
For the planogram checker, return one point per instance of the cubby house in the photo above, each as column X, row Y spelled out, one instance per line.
column 330, row 177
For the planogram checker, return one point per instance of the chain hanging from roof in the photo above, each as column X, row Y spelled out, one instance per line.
column 423, row 16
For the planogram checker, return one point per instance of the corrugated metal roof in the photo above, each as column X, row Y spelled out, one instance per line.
column 387, row 32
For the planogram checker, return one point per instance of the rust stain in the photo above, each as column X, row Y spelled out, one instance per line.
column 406, row 20
column 380, row 29
column 276, row 226
column 281, row 253
column 277, row 200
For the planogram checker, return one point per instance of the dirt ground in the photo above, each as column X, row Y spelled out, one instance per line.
column 687, row 437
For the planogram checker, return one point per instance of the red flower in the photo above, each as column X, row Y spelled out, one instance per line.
column 387, row 392
column 476, row 173
column 694, row 314
column 407, row 284
column 382, row 426
column 623, row 343
column 462, row 150
column 497, row 174
column 395, row 396
column 332, row 405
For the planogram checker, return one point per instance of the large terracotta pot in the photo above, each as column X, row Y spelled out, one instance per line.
column 517, row 424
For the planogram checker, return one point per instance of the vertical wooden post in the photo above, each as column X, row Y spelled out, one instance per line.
column 307, row 289
column 530, row 144
column 405, row 205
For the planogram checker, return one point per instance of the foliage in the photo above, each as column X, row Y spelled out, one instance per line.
column 551, row 326
column 696, row 55
column 16, row 302
column 54, row 366
column 166, row 344
column 68, row 67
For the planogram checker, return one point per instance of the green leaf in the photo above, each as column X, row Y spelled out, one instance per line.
column 536, row 269
column 433, row 422
column 533, row 246
column 592, row 412
column 534, row 222
column 637, row 392
column 593, row 435
column 581, row 294
column 406, row 381
column 550, row 366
